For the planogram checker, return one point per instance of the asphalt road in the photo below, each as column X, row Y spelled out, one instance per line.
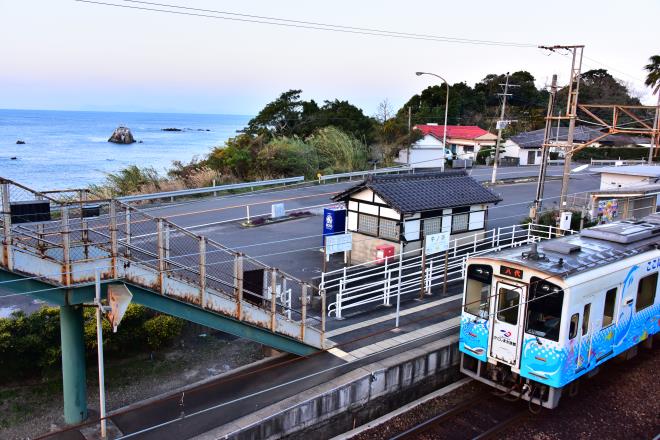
column 293, row 246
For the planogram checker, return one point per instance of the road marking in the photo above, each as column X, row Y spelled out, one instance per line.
column 359, row 325
column 405, row 338
column 341, row 354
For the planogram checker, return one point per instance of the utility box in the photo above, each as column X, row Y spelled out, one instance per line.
column 384, row 252
column 565, row 220
column 91, row 211
column 334, row 222
column 30, row 211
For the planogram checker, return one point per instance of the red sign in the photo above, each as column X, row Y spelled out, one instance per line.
column 511, row 272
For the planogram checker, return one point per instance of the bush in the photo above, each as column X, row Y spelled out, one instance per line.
column 550, row 217
column 30, row 344
column 614, row 153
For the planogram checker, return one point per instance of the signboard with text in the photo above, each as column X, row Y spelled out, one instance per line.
column 435, row 243
column 338, row 243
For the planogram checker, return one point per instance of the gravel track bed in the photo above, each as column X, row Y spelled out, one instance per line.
column 606, row 407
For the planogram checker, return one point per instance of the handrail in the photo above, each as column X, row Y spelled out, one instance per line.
column 194, row 191
column 323, row 178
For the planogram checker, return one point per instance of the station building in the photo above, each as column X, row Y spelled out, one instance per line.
column 400, row 210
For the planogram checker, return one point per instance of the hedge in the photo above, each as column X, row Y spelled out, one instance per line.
column 613, row 153
column 30, row 344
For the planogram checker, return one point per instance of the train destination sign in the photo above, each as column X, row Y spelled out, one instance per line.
column 511, row 272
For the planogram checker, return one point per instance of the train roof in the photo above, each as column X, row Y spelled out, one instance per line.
column 590, row 249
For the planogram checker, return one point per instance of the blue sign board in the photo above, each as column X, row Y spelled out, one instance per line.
column 334, row 221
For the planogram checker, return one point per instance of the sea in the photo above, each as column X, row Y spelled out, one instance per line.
column 70, row 149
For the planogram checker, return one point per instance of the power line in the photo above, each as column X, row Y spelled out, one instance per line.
column 282, row 22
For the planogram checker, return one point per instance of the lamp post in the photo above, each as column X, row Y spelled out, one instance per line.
column 444, row 137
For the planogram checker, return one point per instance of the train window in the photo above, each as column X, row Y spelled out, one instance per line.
column 544, row 309
column 585, row 318
column 608, row 311
column 646, row 291
column 507, row 305
column 572, row 331
column 477, row 292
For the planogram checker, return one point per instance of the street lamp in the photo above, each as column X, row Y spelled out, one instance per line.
column 444, row 137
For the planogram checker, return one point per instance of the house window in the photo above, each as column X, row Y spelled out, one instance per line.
column 432, row 226
column 460, row 220
column 646, row 291
column 608, row 310
column 368, row 224
column 389, row 229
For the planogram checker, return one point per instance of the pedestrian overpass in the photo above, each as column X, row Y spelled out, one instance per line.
column 55, row 243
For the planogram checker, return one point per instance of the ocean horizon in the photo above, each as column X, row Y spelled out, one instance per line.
column 70, row 149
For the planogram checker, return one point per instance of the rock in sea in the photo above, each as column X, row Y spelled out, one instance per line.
column 20, row 142
column 122, row 135
column 171, row 129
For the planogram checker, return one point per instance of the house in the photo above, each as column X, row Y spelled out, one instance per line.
column 627, row 176
column 526, row 147
column 464, row 142
column 402, row 209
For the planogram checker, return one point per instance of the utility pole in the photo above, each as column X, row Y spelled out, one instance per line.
column 409, row 135
column 535, row 211
column 500, row 125
column 571, row 112
column 655, row 137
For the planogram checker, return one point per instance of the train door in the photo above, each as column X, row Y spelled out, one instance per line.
column 505, row 337
column 584, row 340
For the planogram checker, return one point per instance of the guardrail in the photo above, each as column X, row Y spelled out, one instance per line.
column 556, row 161
column 413, row 274
column 618, row 161
column 337, row 177
column 210, row 189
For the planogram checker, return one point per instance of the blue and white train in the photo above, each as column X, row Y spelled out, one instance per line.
column 536, row 318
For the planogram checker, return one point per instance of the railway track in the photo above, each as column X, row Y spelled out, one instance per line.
column 481, row 417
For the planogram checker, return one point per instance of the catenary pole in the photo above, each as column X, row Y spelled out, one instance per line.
column 500, row 126
column 545, row 148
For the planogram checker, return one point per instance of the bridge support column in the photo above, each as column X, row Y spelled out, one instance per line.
column 73, row 364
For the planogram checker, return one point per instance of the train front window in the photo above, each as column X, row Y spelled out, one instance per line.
column 477, row 292
column 544, row 309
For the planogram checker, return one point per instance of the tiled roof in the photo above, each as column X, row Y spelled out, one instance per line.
column 453, row 131
column 534, row 139
column 410, row 193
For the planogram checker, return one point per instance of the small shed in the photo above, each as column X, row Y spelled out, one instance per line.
column 627, row 176
column 402, row 209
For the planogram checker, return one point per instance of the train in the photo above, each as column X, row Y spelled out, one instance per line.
column 536, row 318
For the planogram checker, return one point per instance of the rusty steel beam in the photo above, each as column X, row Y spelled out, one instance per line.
column 632, row 115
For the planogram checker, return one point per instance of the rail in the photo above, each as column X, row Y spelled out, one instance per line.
column 351, row 175
column 126, row 243
column 618, row 162
column 415, row 274
column 210, row 189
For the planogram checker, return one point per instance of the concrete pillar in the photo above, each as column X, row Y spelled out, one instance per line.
column 73, row 364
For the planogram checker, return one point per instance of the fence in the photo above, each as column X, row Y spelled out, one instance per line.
column 413, row 274
column 212, row 189
column 350, row 176
column 618, row 162
column 127, row 243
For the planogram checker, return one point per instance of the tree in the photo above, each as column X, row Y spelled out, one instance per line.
column 279, row 117
column 597, row 86
column 384, row 111
column 653, row 76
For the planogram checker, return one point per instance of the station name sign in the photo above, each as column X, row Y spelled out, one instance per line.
column 511, row 272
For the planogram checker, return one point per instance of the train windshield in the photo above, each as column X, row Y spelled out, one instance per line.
column 544, row 309
column 477, row 292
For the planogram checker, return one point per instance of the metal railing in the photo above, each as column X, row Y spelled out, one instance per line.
column 351, row 175
column 618, row 161
column 129, row 244
column 414, row 274
column 211, row 189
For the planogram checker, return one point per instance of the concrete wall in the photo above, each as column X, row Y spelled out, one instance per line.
column 353, row 398
column 611, row 180
column 364, row 247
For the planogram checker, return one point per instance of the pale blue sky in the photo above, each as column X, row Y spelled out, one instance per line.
column 61, row 54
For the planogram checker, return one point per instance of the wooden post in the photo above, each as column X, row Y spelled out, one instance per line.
column 325, row 262
column 238, row 279
column 444, row 284
column 273, row 298
column 127, row 232
column 422, row 283
column 202, row 272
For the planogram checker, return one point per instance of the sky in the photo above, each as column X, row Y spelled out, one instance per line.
column 69, row 55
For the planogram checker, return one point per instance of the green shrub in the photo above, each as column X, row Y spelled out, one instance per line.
column 161, row 330
column 614, row 153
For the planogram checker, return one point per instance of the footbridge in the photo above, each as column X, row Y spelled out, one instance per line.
column 55, row 244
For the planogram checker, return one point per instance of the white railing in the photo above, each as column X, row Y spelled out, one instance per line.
column 351, row 175
column 373, row 283
column 209, row 189
column 618, row 161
